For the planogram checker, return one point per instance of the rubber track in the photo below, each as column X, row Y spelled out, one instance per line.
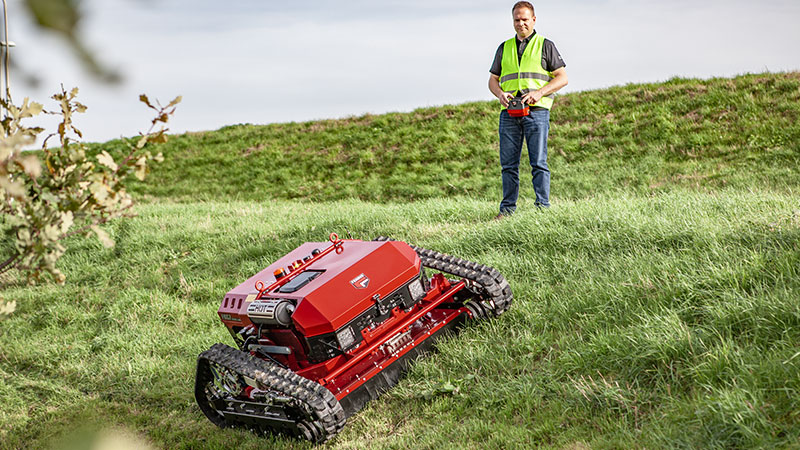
column 321, row 415
column 493, row 289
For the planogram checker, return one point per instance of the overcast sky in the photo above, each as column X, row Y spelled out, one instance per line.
column 264, row 61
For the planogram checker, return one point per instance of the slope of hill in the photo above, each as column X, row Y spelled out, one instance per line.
column 655, row 303
column 637, row 323
column 644, row 138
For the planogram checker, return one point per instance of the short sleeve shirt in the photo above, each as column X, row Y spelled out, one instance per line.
column 551, row 59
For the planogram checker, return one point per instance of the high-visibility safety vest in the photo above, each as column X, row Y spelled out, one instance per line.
column 520, row 77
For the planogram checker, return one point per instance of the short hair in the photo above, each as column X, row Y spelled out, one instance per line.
column 523, row 5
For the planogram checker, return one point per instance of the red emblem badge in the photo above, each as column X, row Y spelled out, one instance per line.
column 360, row 282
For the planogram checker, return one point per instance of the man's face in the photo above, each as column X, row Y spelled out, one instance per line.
column 523, row 22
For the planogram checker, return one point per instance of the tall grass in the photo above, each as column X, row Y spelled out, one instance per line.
column 663, row 321
column 640, row 138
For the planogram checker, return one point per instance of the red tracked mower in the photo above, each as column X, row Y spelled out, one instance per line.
column 335, row 328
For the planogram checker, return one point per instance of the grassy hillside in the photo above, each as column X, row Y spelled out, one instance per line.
column 637, row 322
column 700, row 134
column 656, row 304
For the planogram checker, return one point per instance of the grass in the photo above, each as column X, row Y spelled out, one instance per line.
column 655, row 303
column 638, row 322
column 643, row 138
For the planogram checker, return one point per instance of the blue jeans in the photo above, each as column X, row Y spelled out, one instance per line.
column 533, row 128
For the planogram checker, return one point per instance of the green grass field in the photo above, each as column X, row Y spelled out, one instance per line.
column 635, row 139
column 656, row 303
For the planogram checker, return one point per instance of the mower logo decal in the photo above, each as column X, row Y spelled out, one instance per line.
column 360, row 282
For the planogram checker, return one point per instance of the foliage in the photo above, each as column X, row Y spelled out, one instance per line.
column 6, row 308
column 63, row 18
column 642, row 138
column 66, row 193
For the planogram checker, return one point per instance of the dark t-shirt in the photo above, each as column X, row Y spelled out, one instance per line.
column 551, row 59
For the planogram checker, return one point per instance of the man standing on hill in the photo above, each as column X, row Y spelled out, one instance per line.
column 529, row 67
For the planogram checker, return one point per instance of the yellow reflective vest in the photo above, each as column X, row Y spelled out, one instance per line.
column 519, row 77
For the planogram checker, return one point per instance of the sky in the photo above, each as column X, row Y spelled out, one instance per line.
column 268, row 61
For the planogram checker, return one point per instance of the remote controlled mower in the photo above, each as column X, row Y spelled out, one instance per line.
column 328, row 327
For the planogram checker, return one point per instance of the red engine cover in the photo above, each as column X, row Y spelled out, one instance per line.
column 345, row 287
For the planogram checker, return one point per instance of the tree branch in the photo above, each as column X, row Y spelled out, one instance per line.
column 8, row 264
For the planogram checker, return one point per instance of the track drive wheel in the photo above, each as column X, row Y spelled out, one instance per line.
column 286, row 403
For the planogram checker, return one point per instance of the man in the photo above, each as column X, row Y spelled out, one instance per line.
column 526, row 66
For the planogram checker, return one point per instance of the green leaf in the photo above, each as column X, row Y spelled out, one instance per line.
column 66, row 221
column 58, row 275
column 104, row 238
column 14, row 220
column 24, row 236
column 99, row 191
column 30, row 164
column 14, row 188
column 50, row 232
column 175, row 101
column 105, row 159
column 142, row 141
column 141, row 168
column 447, row 387
column 159, row 138
column 6, row 308
column 35, row 108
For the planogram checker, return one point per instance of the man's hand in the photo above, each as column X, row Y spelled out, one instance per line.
column 505, row 98
column 532, row 97
column 494, row 87
column 559, row 81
